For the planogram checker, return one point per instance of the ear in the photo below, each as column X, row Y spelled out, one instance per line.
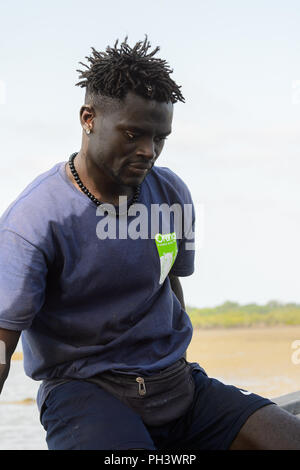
column 87, row 115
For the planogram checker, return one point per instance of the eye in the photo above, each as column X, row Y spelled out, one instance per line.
column 130, row 135
column 160, row 139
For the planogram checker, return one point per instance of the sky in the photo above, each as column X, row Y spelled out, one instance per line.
column 235, row 140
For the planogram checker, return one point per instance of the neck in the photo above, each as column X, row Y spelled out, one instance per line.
column 98, row 183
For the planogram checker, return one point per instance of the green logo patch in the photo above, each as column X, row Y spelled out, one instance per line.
column 167, row 250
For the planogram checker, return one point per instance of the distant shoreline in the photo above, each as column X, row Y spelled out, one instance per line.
column 261, row 360
column 18, row 355
column 259, row 326
column 233, row 315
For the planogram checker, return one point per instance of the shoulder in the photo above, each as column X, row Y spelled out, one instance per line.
column 41, row 183
column 38, row 187
column 166, row 174
column 28, row 213
column 168, row 181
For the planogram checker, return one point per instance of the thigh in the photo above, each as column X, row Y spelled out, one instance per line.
column 270, row 428
column 219, row 412
column 79, row 415
column 215, row 418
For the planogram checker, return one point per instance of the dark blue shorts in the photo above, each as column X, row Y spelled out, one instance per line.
column 80, row 415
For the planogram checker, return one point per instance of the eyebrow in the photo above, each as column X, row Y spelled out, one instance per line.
column 139, row 129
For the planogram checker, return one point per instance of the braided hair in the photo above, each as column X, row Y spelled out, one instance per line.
column 119, row 70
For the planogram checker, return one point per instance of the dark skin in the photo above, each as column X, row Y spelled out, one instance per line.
column 122, row 146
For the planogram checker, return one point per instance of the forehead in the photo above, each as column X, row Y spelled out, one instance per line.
column 136, row 111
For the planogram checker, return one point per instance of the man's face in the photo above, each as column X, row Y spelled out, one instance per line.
column 125, row 142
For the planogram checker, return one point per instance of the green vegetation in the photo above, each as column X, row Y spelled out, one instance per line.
column 231, row 314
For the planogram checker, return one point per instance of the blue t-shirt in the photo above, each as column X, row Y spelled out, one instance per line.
column 86, row 303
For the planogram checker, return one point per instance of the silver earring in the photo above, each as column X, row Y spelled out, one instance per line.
column 88, row 131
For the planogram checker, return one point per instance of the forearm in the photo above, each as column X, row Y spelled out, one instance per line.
column 4, row 370
column 177, row 289
column 8, row 343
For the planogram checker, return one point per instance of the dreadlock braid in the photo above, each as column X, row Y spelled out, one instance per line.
column 119, row 70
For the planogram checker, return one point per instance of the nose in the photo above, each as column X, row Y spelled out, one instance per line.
column 146, row 149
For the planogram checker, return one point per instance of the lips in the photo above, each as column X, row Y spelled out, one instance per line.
column 139, row 168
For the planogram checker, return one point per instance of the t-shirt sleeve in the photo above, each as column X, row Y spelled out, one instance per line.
column 185, row 259
column 23, row 271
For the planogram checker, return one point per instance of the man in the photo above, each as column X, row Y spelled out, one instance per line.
column 93, row 285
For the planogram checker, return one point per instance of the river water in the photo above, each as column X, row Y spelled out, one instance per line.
column 257, row 359
column 20, row 428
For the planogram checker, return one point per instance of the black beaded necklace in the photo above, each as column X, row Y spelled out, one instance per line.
column 87, row 192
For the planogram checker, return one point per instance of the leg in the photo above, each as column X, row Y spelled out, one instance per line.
column 81, row 416
column 269, row 428
column 215, row 418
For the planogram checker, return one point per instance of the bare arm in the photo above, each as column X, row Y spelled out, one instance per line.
column 177, row 289
column 8, row 342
